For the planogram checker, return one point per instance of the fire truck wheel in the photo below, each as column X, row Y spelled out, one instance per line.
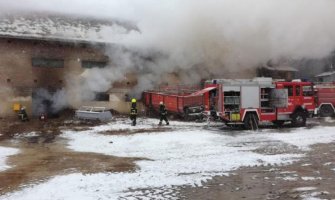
column 251, row 122
column 299, row 119
column 326, row 111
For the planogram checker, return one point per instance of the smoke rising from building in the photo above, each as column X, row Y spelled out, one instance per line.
column 197, row 39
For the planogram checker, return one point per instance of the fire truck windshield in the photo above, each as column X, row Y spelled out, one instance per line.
column 307, row 90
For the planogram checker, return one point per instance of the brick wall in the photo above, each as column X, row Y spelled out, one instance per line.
column 18, row 77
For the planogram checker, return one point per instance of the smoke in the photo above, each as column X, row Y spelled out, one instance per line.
column 206, row 39
column 196, row 39
column 48, row 102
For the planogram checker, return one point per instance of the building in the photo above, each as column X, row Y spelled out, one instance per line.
column 326, row 77
column 44, row 52
column 277, row 72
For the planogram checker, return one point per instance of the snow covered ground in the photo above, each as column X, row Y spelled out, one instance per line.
column 4, row 153
column 187, row 154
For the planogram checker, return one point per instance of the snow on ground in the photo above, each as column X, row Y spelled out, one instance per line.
column 4, row 153
column 142, row 123
column 304, row 138
column 310, row 178
column 181, row 156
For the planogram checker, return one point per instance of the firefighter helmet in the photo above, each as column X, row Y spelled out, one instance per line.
column 133, row 100
column 161, row 103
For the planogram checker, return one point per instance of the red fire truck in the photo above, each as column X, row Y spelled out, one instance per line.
column 182, row 101
column 250, row 102
column 325, row 99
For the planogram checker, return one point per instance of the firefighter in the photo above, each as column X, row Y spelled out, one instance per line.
column 133, row 112
column 23, row 116
column 162, row 113
column 43, row 117
column 212, row 110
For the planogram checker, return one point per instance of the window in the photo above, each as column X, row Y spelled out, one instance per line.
column 91, row 64
column 47, row 62
column 289, row 90
column 297, row 90
column 307, row 90
column 101, row 96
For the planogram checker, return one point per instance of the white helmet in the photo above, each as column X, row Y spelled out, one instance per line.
column 161, row 103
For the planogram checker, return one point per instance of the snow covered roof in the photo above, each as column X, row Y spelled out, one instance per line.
column 63, row 28
column 280, row 68
column 325, row 74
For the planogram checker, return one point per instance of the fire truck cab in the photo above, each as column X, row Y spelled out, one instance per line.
column 248, row 102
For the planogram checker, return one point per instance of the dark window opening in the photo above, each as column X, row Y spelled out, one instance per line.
column 101, row 96
column 307, row 90
column 8, row 80
column 47, row 62
column 92, row 64
column 60, row 81
column 128, row 83
column 297, row 90
column 9, row 41
column 289, row 90
column 35, row 81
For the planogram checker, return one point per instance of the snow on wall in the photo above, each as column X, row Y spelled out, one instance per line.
column 62, row 28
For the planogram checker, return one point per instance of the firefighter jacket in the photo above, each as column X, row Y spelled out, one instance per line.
column 133, row 111
column 162, row 110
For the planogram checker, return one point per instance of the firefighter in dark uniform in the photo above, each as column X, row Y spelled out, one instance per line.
column 133, row 112
column 23, row 114
column 162, row 113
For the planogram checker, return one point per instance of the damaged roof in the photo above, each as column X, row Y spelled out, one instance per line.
column 325, row 74
column 280, row 68
column 64, row 28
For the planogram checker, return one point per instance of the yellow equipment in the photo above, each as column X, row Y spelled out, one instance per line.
column 235, row 117
column 16, row 107
column 133, row 100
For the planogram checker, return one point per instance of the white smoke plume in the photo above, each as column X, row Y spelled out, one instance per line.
column 198, row 39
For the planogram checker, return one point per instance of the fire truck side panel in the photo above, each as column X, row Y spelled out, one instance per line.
column 171, row 103
column 156, row 99
column 180, row 105
column 326, row 95
column 250, row 97
column 285, row 112
column 147, row 98
column 268, row 116
column 299, row 97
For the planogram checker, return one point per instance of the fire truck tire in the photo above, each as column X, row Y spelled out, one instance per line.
column 299, row 119
column 326, row 111
column 250, row 122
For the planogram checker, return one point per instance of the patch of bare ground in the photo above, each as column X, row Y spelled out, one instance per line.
column 314, row 175
column 44, row 155
column 40, row 161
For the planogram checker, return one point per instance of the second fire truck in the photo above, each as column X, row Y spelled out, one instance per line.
column 251, row 102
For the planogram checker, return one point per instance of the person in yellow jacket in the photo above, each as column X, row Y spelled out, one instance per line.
column 133, row 112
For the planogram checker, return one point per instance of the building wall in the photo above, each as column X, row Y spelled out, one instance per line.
column 287, row 75
column 326, row 79
column 18, row 78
